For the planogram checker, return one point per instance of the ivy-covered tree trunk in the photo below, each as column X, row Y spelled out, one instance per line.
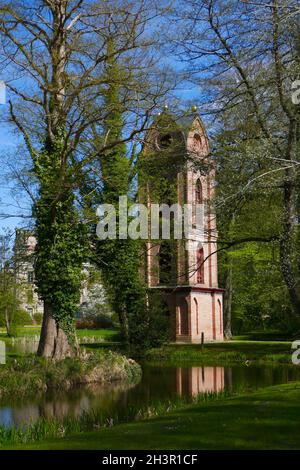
column 59, row 47
column 120, row 259
column 61, row 241
column 54, row 340
column 60, row 235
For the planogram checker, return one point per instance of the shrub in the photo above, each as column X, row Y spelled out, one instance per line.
column 22, row 318
column 38, row 318
column 94, row 322
column 34, row 375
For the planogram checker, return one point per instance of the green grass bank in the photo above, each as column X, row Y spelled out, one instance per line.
column 104, row 334
column 31, row 375
column 266, row 419
column 225, row 353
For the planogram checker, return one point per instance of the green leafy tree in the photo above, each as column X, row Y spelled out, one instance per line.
column 246, row 56
column 56, row 52
column 119, row 259
column 10, row 290
column 249, row 230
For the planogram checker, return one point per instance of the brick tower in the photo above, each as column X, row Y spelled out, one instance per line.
column 186, row 270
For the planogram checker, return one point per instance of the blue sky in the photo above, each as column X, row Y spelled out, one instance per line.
column 8, row 144
column 2, row 92
column 9, row 141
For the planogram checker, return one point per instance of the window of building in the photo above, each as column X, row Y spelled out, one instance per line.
column 198, row 192
column 183, row 320
column 197, row 200
column 200, row 266
column 30, row 277
column 30, row 311
column 197, row 315
column 164, row 141
column 165, row 264
column 197, row 142
column 220, row 316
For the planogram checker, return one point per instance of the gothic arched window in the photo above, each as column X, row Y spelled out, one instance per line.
column 183, row 321
column 197, row 315
column 165, row 267
column 220, row 315
column 200, row 266
column 197, row 142
column 197, row 200
column 198, row 192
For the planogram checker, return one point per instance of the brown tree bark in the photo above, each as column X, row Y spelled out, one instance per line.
column 53, row 340
column 7, row 323
column 123, row 318
column 286, row 249
column 66, row 77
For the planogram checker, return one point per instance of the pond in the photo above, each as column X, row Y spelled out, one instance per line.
column 159, row 383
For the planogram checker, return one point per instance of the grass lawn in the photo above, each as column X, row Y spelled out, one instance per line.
column 106, row 334
column 267, row 336
column 22, row 331
column 225, row 353
column 236, row 351
column 28, row 331
column 266, row 419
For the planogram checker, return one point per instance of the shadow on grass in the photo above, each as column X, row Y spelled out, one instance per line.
column 266, row 419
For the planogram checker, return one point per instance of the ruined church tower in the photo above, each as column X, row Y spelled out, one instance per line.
column 176, row 152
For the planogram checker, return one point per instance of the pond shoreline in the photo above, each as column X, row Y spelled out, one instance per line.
column 210, row 422
column 225, row 353
column 32, row 375
column 160, row 387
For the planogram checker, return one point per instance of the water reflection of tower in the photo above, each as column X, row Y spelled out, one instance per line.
column 194, row 380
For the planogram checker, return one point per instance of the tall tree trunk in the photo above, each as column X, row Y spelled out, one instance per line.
column 123, row 318
column 228, row 302
column 7, row 323
column 286, row 249
column 53, row 340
